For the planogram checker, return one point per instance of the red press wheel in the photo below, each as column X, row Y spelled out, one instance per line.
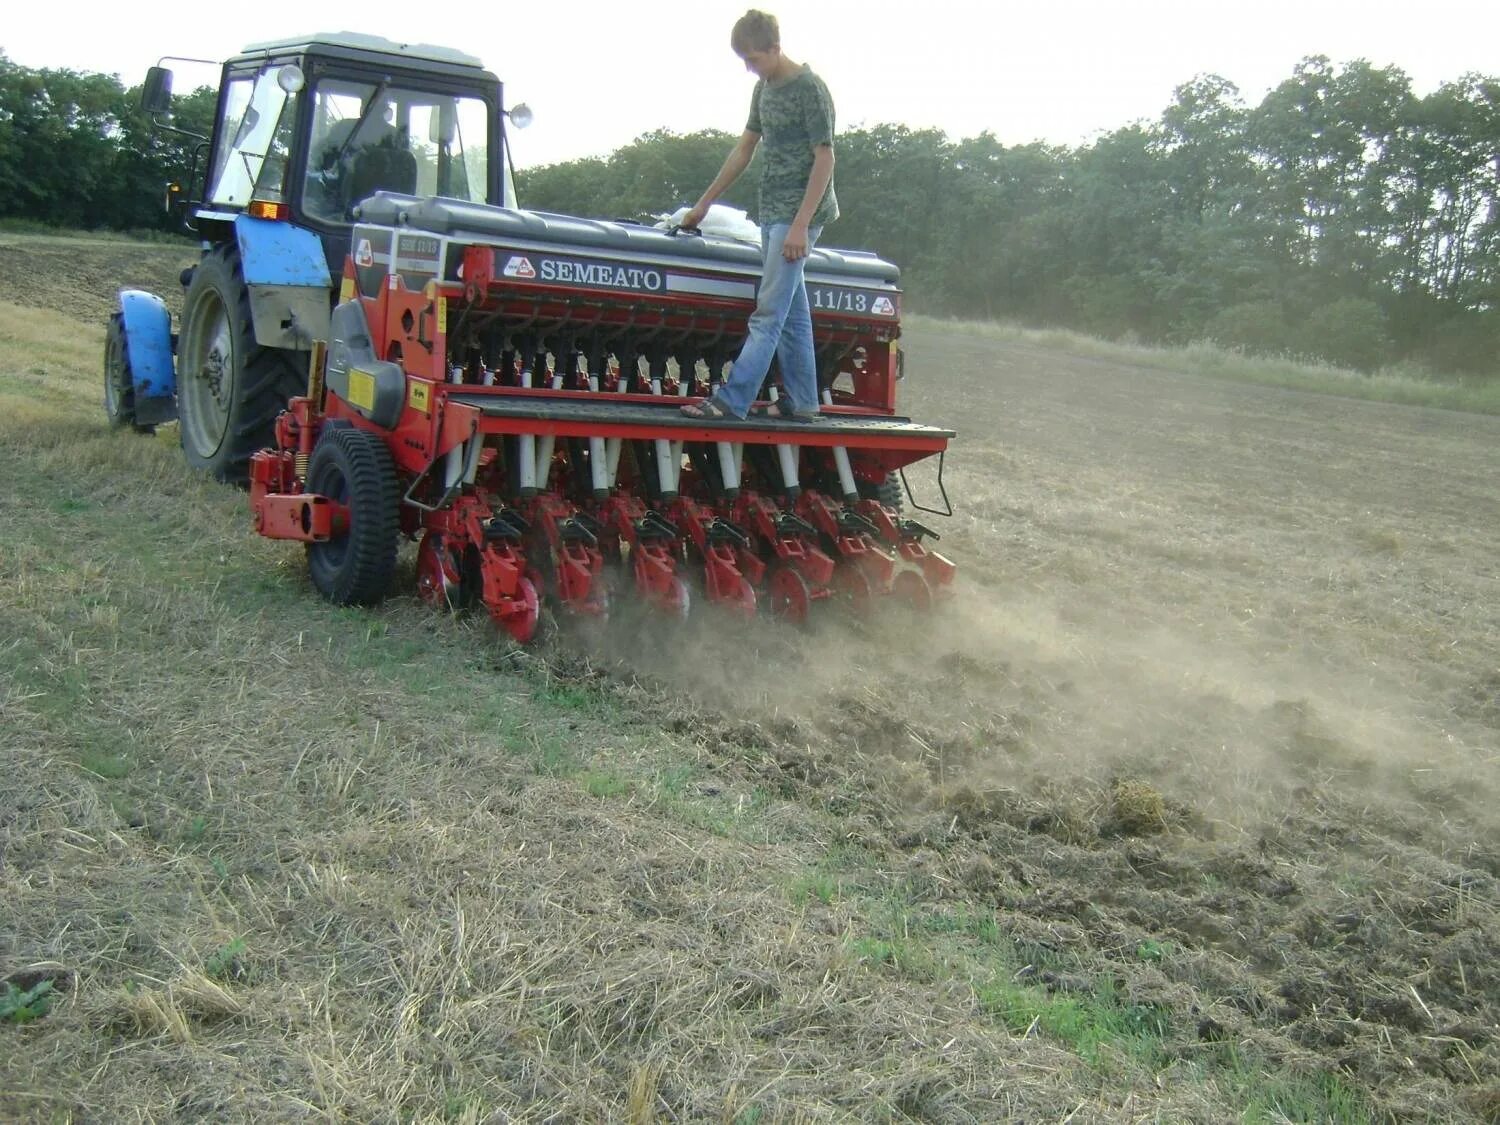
column 912, row 588
column 791, row 599
column 854, row 585
column 438, row 578
column 745, row 604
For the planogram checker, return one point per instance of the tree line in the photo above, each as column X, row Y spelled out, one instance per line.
column 1342, row 217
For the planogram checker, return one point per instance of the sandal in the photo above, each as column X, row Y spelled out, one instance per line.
column 780, row 411
column 710, row 409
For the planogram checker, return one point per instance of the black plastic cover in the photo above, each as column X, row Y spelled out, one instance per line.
column 376, row 388
column 454, row 218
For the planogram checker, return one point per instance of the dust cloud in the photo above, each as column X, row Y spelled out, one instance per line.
column 1009, row 692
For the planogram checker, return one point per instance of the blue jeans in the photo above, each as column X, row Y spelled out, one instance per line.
column 780, row 326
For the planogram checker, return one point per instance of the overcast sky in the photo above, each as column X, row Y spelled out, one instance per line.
column 598, row 75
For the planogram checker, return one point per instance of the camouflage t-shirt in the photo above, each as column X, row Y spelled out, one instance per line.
column 792, row 116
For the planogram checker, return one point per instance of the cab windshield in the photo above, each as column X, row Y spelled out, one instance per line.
column 369, row 137
column 257, row 119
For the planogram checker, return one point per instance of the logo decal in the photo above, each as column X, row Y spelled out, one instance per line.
column 520, row 267
column 607, row 274
column 883, row 307
column 364, row 256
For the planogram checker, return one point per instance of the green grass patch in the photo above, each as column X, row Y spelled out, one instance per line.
column 102, row 763
column 1088, row 1015
column 462, row 1107
column 672, row 781
column 977, row 924
column 934, row 943
column 18, row 1005
column 552, row 757
column 734, row 817
column 1088, row 1024
column 1267, row 1097
column 874, row 951
column 1153, row 952
column 569, row 697
column 605, row 784
column 848, row 858
column 816, row 886
column 225, row 962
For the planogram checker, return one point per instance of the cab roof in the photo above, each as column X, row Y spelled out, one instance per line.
column 348, row 43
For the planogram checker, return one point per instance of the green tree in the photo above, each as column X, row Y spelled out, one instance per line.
column 61, row 133
column 995, row 234
column 1324, row 139
column 1350, row 332
column 1202, row 138
column 892, row 184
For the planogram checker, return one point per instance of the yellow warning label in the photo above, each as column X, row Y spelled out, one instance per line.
column 346, row 290
column 361, row 389
column 420, row 397
column 442, row 315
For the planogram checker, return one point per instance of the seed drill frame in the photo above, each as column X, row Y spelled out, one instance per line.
column 506, row 386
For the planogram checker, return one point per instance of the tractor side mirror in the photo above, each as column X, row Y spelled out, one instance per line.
column 156, row 94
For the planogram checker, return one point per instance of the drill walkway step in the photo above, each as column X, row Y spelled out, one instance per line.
column 578, row 417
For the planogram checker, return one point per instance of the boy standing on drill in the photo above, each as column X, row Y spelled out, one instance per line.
column 792, row 112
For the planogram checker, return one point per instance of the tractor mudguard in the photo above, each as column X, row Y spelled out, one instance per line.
column 286, row 276
column 148, row 343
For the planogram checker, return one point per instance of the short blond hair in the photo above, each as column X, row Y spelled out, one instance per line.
column 755, row 31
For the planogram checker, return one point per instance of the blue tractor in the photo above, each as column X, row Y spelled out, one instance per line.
column 303, row 131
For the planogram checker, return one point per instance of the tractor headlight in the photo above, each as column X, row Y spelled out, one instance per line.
column 290, row 78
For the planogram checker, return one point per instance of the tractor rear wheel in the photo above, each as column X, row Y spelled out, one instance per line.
column 354, row 468
column 889, row 491
column 229, row 388
column 119, row 380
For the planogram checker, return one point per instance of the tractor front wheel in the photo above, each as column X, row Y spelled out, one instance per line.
column 229, row 388
column 119, row 381
column 354, row 468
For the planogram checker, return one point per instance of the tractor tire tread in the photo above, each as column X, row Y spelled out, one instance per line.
column 267, row 378
column 124, row 413
column 889, row 491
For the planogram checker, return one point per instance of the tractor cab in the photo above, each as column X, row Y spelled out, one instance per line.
column 306, row 128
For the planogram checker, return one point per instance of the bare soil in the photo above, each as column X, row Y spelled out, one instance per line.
column 1215, row 717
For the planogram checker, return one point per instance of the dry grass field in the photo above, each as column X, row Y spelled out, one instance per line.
column 1185, row 811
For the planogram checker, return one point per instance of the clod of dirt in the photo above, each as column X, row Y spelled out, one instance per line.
column 975, row 810
column 1136, row 810
column 24, row 980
